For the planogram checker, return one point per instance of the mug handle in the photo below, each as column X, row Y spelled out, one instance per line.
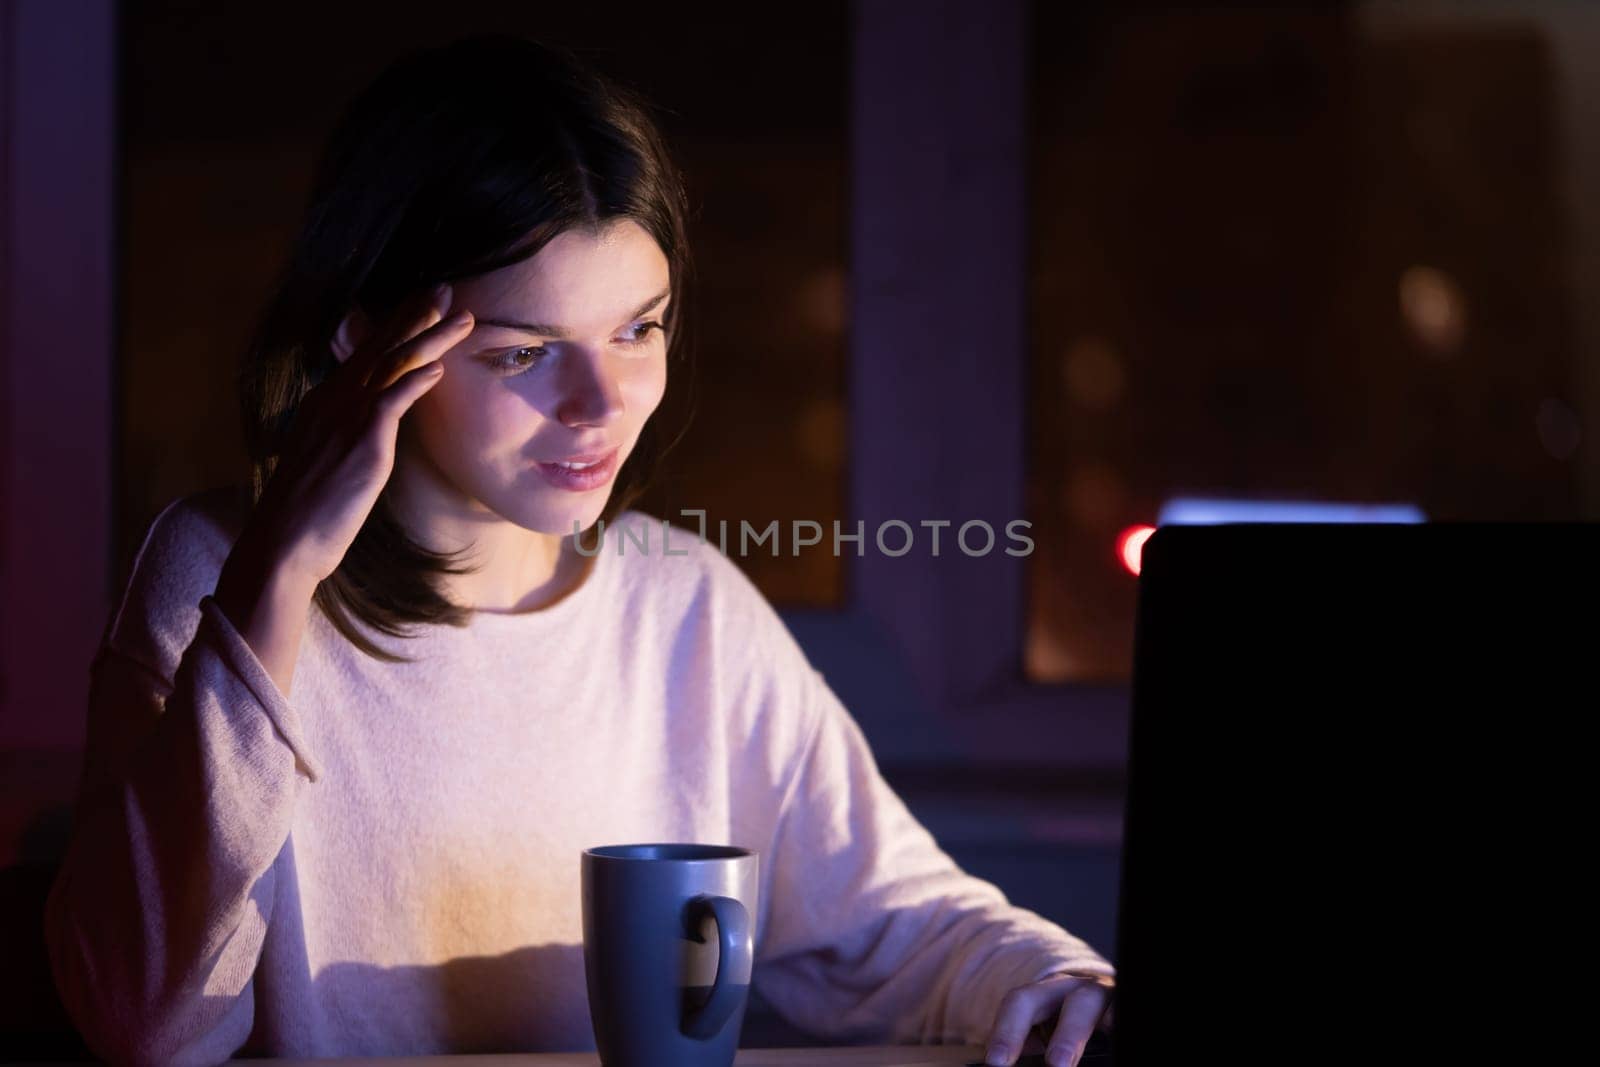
column 734, row 959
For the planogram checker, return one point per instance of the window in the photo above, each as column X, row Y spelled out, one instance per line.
column 1287, row 254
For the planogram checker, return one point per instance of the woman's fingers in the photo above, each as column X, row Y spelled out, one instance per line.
column 1079, row 1013
column 340, row 448
column 1075, row 1001
column 421, row 312
column 397, row 398
column 1020, row 1010
column 425, row 347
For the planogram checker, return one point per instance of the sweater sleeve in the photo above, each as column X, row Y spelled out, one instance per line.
column 874, row 933
column 158, row 913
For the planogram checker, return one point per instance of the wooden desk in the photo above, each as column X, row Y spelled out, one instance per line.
column 858, row 1056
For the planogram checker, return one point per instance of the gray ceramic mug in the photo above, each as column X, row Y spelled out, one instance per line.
column 668, row 946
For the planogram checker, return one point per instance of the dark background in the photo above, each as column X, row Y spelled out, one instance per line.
column 1054, row 261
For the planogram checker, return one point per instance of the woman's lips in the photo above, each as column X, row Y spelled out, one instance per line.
column 579, row 481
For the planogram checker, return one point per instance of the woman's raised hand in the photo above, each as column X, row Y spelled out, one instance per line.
column 338, row 455
column 340, row 449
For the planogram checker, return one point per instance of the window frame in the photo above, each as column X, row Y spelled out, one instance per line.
column 939, row 132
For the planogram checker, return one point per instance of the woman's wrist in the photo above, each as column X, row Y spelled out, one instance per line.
column 257, row 573
column 266, row 599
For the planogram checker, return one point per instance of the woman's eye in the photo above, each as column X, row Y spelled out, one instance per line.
column 641, row 332
column 518, row 359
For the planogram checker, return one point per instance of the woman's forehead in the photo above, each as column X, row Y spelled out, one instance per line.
column 580, row 277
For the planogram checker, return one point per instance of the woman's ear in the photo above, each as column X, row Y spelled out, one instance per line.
column 351, row 332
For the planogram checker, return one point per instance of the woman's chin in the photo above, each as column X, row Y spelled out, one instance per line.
column 562, row 517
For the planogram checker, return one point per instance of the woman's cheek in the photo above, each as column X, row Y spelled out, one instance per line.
column 450, row 414
column 647, row 388
column 428, row 410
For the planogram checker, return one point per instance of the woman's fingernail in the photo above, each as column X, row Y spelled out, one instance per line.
column 999, row 1056
column 460, row 317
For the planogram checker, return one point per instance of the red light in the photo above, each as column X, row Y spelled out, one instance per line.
column 1130, row 546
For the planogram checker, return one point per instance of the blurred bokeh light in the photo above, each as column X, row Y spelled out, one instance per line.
column 1310, row 252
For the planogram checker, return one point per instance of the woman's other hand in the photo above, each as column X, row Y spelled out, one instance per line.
column 1075, row 1002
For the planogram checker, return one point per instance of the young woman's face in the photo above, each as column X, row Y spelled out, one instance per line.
column 566, row 362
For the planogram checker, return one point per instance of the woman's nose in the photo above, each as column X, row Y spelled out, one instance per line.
column 590, row 392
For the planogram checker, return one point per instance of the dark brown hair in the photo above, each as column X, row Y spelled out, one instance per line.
column 456, row 161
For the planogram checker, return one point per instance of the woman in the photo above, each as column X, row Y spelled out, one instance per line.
column 350, row 731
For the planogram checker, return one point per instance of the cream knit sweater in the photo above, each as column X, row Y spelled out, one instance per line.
column 385, row 860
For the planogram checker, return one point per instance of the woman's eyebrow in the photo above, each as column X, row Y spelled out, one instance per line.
column 561, row 332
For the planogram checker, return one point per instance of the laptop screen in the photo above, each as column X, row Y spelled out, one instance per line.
column 1356, row 787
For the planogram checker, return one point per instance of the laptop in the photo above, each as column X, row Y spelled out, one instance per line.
column 1360, row 800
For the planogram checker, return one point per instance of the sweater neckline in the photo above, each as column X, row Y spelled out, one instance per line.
column 569, row 606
